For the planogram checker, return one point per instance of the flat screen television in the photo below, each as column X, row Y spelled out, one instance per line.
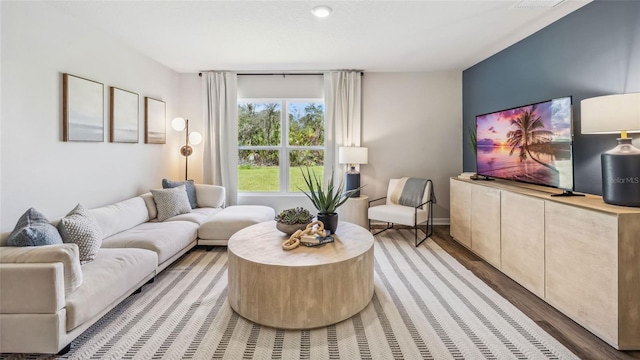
column 531, row 143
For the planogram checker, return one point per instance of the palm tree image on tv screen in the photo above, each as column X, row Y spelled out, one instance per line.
column 529, row 143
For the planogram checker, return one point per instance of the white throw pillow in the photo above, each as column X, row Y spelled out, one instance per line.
column 81, row 228
column 171, row 202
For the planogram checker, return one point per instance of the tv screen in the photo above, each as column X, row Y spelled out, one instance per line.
column 531, row 143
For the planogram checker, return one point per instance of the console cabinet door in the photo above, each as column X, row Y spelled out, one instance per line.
column 485, row 223
column 581, row 250
column 522, row 233
column 460, row 211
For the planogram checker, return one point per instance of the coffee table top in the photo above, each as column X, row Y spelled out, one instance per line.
column 262, row 243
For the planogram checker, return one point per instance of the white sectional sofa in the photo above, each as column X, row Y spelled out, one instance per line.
column 47, row 298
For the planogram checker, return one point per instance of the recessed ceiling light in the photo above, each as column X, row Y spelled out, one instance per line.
column 321, row 11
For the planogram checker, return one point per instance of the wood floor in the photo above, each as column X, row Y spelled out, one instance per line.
column 580, row 341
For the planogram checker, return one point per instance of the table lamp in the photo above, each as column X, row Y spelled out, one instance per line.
column 353, row 156
column 193, row 138
column 621, row 165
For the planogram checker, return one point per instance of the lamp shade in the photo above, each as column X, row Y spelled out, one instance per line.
column 195, row 138
column 611, row 114
column 178, row 124
column 353, row 155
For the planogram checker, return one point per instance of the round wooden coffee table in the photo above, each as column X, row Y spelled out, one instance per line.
column 304, row 288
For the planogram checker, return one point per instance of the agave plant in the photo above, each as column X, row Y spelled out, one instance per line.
column 325, row 200
column 293, row 216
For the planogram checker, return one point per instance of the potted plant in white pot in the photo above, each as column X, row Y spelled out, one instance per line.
column 290, row 220
column 326, row 200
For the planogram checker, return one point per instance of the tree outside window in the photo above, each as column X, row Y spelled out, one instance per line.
column 275, row 139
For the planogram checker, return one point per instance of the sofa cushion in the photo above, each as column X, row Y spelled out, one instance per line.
column 164, row 238
column 113, row 274
column 171, row 202
column 189, row 187
column 67, row 254
column 233, row 218
column 121, row 216
column 198, row 216
column 81, row 228
column 151, row 205
column 33, row 229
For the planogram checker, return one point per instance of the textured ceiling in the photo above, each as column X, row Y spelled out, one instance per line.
column 189, row 36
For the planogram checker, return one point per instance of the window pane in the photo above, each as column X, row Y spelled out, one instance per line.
column 306, row 123
column 300, row 160
column 259, row 170
column 259, row 124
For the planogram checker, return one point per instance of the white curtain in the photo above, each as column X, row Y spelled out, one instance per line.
column 343, row 119
column 220, row 91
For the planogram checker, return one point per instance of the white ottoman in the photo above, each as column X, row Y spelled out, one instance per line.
column 220, row 227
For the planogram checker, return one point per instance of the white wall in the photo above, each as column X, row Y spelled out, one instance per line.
column 191, row 108
column 412, row 124
column 37, row 168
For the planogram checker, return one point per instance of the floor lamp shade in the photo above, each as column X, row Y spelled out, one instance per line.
column 353, row 156
column 621, row 165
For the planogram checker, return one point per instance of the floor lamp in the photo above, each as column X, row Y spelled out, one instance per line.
column 352, row 156
column 614, row 114
column 193, row 138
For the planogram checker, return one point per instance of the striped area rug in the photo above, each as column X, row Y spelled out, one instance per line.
column 426, row 306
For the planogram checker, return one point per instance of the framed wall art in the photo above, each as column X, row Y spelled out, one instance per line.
column 123, row 116
column 82, row 109
column 155, row 123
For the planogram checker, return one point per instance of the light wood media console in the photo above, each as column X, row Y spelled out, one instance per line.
column 580, row 255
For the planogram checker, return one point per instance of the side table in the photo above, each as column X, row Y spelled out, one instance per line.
column 356, row 211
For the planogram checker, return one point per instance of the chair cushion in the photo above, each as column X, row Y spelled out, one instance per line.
column 81, row 228
column 33, row 229
column 233, row 218
column 164, row 238
column 113, row 274
column 171, row 202
column 397, row 214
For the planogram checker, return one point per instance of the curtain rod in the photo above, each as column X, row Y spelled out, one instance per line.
column 283, row 74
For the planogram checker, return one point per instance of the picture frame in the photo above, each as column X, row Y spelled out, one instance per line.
column 155, row 123
column 82, row 109
column 124, row 115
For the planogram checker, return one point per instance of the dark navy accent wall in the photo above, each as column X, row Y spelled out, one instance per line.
column 591, row 52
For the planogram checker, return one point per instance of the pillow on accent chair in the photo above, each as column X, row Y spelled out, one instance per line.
column 171, row 202
column 189, row 185
column 81, row 228
column 33, row 229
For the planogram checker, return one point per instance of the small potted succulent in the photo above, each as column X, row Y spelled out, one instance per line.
column 291, row 220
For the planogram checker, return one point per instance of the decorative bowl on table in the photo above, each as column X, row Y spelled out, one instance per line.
column 291, row 220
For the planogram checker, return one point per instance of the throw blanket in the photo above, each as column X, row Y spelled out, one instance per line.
column 408, row 191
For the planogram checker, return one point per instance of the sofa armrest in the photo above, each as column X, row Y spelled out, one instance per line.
column 66, row 254
column 31, row 288
column 210, row 195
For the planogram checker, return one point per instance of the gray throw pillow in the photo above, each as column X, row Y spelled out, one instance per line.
column 33, row 229
column 171, row 202
column 81, row 228
column 189, row 185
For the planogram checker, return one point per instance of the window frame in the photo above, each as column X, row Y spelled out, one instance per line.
column 284, row 147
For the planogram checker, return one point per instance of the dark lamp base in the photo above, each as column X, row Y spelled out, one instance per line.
column 621, row 174
column 353, row 182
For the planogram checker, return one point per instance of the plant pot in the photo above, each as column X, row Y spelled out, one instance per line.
column 289, row 229
column 330, row 221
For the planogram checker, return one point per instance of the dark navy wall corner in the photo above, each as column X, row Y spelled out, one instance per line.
column 591, row 52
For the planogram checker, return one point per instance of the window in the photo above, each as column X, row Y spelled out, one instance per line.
column 275, row 139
